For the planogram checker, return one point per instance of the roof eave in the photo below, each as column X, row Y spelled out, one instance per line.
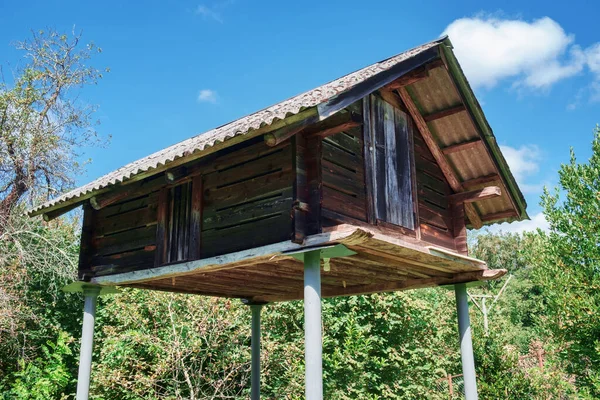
column 486, row 131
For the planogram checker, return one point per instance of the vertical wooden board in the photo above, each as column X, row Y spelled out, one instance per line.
column 196, row 218
column 459, row 228
column 300, row 188
column 404, row 171
column 368, row 146
column 182, row 224
column 86, row 243
column 379, row 167
column 314, row 176
column 391, row 198
column 173, row 222
column 413, row 177
column 162, row 234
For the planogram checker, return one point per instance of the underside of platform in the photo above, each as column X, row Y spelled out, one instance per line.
column 354, row 261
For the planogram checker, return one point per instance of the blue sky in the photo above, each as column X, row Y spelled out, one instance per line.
column 180, row 68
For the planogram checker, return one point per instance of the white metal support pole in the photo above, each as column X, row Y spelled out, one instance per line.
column 255, row 368
column 312, row 326
column 466, row 344
column 90, row 294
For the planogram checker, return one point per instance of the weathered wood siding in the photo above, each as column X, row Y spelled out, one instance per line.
column 251, row 195
column 120, row 237
column 435, row 215
column 247, row 199
column 241, row 198
column 392, row 169
column 343, row 174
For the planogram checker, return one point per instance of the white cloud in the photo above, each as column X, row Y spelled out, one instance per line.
column 214, row 12
column 533, row 54
column 537, row 221
column 524, row 162
column 207, row 96
column 593, row 62
column 209, row 13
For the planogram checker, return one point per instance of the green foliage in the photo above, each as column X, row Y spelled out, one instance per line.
column 503, row 375
column 162, row 345
column 46, row 377
column 36, row 260
column 570, row 265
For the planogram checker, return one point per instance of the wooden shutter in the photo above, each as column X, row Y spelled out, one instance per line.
column 179, row 214
column 392, row 183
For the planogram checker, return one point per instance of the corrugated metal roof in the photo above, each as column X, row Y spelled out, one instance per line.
column 193, row 147
column 438, row 92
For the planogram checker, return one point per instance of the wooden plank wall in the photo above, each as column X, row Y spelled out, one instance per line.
column 123, row 236
column 343, row 172
column 248, row 197
column 435, row 215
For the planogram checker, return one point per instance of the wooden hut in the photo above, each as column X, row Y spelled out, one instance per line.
column 365, row 184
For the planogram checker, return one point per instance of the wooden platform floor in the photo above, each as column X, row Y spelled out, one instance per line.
column 382, row 263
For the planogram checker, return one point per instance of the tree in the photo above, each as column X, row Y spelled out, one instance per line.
column 43, row 124
column 570, row 264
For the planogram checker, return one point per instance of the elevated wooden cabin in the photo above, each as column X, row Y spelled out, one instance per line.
column 383, row 169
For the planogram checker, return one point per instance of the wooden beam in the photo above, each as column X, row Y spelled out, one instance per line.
column 439, row 156
column 444, row 113
column 380, row 79
column 459, row 228
column 468, row 145
column 481, row 180
column 487, row 192
column 281, row 135
column 500, row 215
column 300, row 189
column 391, row 97
column 408, row 284
column 86, row 245
column 49, row 216
column 415, row 75
column 339, row 122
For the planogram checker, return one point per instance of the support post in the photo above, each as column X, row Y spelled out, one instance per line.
column 312, row 326
column 90, row 294
column 466, row 344
column 255, row 365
